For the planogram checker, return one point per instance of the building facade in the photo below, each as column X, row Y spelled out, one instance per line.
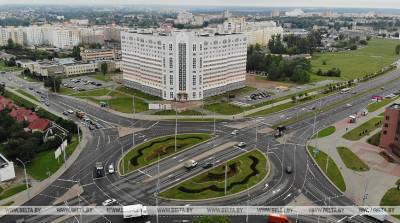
column 79, row 68
column 184, row 65
column 98, row 54
column 390, row 134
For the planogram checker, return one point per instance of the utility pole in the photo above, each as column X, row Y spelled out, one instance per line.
column 255, row 146
column 26, row 177
column 79, row 135
column 226, row 176
column 176, row 124
column 158, row 185
column 213, row 140
column 133, row 118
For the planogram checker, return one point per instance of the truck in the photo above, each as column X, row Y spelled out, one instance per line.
column 99, row 168
column 80, row 114
column 134, row 211
column 190, row 164
column 278, row 218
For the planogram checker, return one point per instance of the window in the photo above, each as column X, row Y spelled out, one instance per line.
column 194, row 47
column 171, row 95
column 201, row 62
column 163, row 61
column 194, row 80
column 194, row 94
column 387, row 117
column 386, row 125
column 194, row 63
column 385, row 132
column 171, row 63
column 170, row 47
column 171, row 79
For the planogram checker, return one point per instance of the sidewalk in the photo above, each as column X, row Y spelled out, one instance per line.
column 38, row 187
column 382, row 174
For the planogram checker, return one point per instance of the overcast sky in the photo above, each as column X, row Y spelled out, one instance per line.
column 313, row 3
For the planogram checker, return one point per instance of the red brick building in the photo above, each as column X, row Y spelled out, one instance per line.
column 390, row 134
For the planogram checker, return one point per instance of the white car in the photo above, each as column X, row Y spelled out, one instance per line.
column 348, row 105
column 241, row 144
column 70, row 111
column 111, row 169
column 109, row 202
column 235, row 132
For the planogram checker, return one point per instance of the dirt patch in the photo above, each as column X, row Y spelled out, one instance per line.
column 264, row 84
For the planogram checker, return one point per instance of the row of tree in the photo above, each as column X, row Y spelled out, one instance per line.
column 276, row 67
column 295, row 44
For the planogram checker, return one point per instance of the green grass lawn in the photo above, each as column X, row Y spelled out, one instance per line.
column 137, row 93
column 377, row 54
column 351, row 160
column 124, row 104
column 12, row 191
column 235, row 93
column 377, row 105
column 326, row 131
column 93, row 93
column 391, row 198
column 375, row 139
column 66, row 91
column 210, row 184
column 102, row 77
column 364, row 129
column 46, row 162
column 27, row 94
column 333, row 171
column 147, row 153
column 224, row 108
column 172, row 112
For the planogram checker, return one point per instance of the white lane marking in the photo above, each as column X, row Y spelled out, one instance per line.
column 145, row 173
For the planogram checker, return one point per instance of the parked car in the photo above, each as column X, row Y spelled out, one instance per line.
column 289, row 169
column 65, row 113
column 235, row 132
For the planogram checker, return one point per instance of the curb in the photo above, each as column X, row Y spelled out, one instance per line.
column 223, row 197
column 123, row 155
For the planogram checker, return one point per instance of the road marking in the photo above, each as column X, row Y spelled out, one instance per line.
column 86, row 185
column 145, row 173
column 74, row 181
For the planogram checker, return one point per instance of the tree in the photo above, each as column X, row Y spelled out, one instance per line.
column 76, row 53
column 211, row 219
column 104, row 68
column 53, row 83
column 2, row 88
column 397, row 49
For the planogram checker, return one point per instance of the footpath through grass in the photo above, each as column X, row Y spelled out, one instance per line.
column 351, row 160
column 45, row 164
column 364, row 129
column 243, row 172
column 148, row 152
column 378, row 54
column 333, row 172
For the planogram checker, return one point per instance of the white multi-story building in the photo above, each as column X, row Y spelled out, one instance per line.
column 65, row 38
column 183, row 65
column 184, row 18
column 14, row 33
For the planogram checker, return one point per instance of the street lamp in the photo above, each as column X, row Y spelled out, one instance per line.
column 64, row 153
column 26, row 177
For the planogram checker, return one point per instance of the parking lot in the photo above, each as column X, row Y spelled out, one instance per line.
column 84, row 83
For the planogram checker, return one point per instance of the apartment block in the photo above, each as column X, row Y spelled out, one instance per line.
column 187, row 65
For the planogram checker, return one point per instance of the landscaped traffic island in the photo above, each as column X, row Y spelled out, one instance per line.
column 243, row 172
column 149, row 152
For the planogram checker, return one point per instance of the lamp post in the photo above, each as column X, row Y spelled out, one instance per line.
column 63, row 149
column 26, row 177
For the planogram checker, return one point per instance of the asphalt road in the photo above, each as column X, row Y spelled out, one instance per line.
column 105, row 145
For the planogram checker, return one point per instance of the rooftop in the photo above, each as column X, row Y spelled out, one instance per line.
column 395, row 106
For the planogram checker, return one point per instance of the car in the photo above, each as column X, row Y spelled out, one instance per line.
column 348, row 105
column 109, row 202
column 235, row 132
column 289, row 169
column 70, row 111
column 30, row 88
column 241, row 144
column 65, row 113
column 91, row 127
column 47, row 103
column 207, row 165
column 98, row 126
column 111, row 169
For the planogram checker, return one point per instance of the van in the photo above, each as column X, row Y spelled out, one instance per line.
column 190, row 164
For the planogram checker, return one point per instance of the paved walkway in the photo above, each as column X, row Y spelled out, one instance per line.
column 382, row 174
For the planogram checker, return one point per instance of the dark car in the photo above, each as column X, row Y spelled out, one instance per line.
column 207, row 165
column 289, row 169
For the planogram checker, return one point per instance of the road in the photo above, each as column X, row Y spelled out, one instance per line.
column 106, row 146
